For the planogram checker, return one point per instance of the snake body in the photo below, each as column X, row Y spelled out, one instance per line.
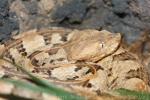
column 58, row 55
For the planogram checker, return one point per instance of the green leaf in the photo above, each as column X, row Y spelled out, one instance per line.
column 26, row 85
column 36, row 88
column 135, row 94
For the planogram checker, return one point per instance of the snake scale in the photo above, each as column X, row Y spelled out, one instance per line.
column 87, row 58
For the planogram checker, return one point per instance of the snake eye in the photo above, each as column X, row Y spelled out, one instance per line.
column 101, row 44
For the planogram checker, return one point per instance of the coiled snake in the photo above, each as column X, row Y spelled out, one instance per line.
column 89, row 58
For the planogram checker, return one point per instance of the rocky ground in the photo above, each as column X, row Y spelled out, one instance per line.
column 130, row 17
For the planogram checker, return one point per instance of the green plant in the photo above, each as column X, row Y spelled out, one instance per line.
column 135, row 94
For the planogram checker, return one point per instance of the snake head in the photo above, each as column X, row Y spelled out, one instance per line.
column 92, row 45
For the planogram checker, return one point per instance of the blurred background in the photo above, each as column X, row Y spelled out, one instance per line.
column 129, row 17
